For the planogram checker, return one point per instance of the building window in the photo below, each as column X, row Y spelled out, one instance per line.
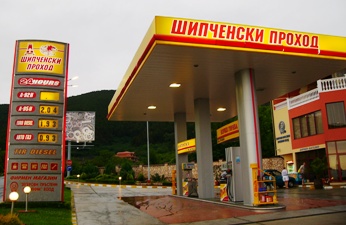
column 307, row 125
column 336, row 151
column 336, row 115
column 296, row 128
column 319, row 124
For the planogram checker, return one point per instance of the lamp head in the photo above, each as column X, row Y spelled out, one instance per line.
column 14, row 196
column 27, row 190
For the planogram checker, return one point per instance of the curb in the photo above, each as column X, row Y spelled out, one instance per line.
column 116, row 186
column 74, row 214
column 326, row 187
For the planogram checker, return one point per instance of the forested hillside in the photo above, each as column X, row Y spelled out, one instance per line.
column 112, row 137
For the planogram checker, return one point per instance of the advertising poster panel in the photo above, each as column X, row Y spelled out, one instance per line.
column 80, row 126
column 36, row 129
column 282, row 129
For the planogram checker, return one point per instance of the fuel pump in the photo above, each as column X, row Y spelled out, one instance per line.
column 231, row 187
column 225, row 181
column 189, row 182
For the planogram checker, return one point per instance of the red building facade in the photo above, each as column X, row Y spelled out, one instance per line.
column 315, row 126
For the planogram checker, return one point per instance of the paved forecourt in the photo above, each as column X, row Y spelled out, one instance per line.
column 97, row 204
column 103, row 204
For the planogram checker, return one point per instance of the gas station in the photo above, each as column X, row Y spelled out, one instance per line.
column 188, row 70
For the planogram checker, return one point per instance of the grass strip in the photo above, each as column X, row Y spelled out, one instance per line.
column 52, row 213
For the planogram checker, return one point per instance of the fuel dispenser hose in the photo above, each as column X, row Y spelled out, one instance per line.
column 229, row 188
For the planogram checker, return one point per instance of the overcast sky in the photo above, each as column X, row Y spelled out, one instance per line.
column 105, row 34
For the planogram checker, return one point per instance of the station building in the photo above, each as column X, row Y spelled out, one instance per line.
column 311, row 122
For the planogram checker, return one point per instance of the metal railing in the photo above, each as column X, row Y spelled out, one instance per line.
column 333, row 84
column 304, row 98
column 281, row 105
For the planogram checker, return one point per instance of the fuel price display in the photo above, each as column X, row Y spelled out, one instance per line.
column 49, row 109
column 47, row 138
column 48, row 123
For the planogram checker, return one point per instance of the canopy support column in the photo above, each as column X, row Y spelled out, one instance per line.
column 204, row 149
column 249, row 135
column 180, row 134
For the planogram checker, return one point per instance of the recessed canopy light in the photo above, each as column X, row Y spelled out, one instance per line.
column 174, row 85
column 221, row 109
column 151, row 107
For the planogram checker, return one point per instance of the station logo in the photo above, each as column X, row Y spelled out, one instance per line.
column 46, row 82
column 48, row 50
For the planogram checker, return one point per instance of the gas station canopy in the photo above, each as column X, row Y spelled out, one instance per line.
column 203, row 57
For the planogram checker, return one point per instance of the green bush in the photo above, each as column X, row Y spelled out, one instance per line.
column 84, row 176
column 319, row 167
column 141, row 177
column 72, row 177
column 167, row 183
column 106, row 178
column 126, row 171
column 129, row 182
column 10, row 219
column 157, row 178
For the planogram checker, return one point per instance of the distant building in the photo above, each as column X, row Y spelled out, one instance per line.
column 312, row 124
column 127, row 155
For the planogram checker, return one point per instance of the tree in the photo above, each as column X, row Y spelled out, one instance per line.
column 319, row 167
column 104, row 157
column 266, row 130
column 126, row 171
column 2, row 161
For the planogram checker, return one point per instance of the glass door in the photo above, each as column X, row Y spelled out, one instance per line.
column 337, row 160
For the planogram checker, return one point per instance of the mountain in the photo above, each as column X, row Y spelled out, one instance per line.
column 116, row 136
column 112, row 136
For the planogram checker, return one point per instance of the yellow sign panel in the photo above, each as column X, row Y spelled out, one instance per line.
column 282, row 129
column 49, row 109
column 252, row 38
column 47, row 123
column 40, row 57
column 49, row 96
column 47, row 138
column 187, row 146
column 227, row 132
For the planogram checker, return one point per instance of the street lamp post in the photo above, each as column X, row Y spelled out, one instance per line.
column 148, row 151
column 68, row 156
column 13, row 197
column 27, row 191
column 120, row 182
column 69, row 142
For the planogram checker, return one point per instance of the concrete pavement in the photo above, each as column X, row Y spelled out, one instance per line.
column 103, row 204
column 107, row 205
